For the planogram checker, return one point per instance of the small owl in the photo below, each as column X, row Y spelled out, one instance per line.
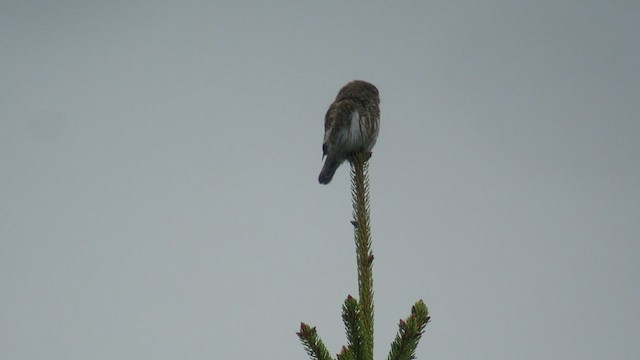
column 350, row 125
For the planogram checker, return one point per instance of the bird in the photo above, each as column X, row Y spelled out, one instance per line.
column 351, row 125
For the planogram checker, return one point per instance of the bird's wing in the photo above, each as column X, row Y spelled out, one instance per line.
column 339, row 114
column 328, row 116
column 337, row 122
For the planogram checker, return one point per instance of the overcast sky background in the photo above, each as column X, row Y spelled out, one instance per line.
column 159, row 162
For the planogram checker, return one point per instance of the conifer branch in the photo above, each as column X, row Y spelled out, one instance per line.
column 351, row 315
column 409, row 333
column 312, row 343
column 346, row 354
column 364, row 256
column 357, row 315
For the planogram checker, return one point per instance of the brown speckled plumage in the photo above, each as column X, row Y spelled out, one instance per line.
column 350, row 125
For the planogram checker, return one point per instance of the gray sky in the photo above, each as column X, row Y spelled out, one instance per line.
column 159, row 162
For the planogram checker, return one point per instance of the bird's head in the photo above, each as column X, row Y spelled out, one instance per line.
column 359, row 90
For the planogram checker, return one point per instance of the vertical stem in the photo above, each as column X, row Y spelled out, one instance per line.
column 364, row 256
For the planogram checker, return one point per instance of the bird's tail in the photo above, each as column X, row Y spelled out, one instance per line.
column 329, row 168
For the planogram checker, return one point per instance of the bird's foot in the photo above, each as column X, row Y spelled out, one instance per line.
column 366, row 153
